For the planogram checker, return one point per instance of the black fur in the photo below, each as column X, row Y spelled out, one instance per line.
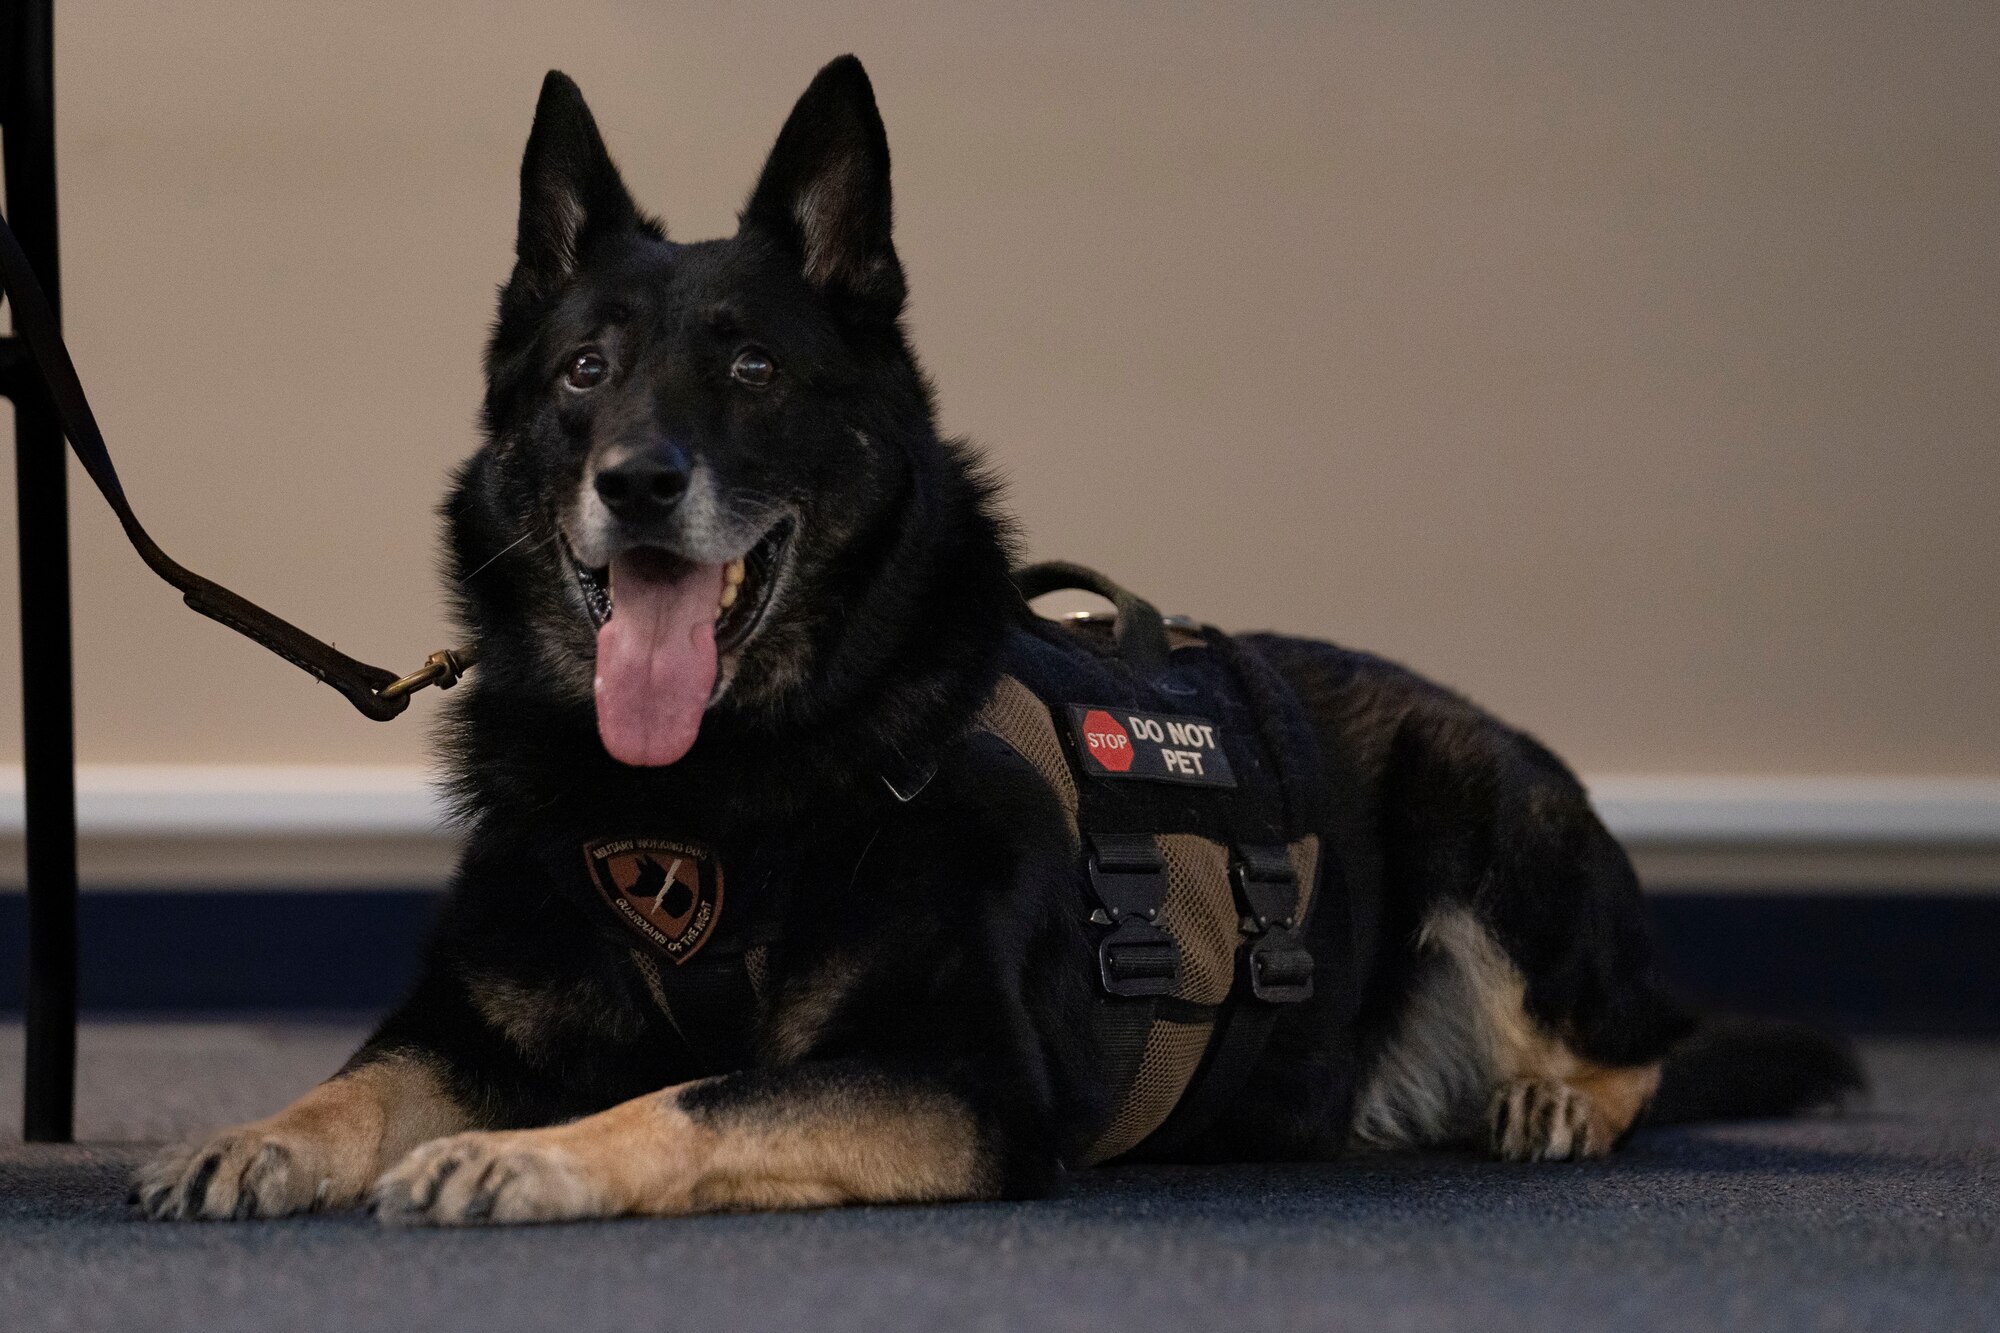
column 968, row 968
column 1740, row 1068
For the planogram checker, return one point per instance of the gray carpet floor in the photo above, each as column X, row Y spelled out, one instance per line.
column 1886, row 1217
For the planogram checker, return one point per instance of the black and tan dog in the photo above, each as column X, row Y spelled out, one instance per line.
column 725, row 577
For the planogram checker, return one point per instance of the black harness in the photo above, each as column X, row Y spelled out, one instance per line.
column 1194, row 780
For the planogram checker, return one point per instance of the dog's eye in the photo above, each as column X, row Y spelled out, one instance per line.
column 586, row 370
column 753, row 366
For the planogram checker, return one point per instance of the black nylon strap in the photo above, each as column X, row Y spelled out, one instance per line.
column 1140, row 631
column 1123, row 1024
column 36, row 325
column 1243, row 1029
column 1235, row 1047
column 713, row 1006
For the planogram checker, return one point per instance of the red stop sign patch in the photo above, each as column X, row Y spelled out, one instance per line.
column 1105, row 741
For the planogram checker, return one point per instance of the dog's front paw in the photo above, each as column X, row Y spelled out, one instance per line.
column 510, row 1176
column 252, row 1171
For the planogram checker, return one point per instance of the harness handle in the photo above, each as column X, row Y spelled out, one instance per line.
column 378, row 693
column 1140, row 631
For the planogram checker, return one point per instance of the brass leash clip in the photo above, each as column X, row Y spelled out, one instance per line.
column 442, row 669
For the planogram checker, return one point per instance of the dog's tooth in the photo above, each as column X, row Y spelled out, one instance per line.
column 732, row 574
column 728, row 596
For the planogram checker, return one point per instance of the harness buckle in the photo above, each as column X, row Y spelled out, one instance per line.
column 1137, row 956
column 1280, row 966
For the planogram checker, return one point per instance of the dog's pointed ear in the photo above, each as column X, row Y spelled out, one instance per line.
column 570, row 190
column 824, row 192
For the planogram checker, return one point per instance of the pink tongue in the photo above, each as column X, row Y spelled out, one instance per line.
column 656, row 660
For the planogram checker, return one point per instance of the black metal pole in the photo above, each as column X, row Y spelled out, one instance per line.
column 42, row 505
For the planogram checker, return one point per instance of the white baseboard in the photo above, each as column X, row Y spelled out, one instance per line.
column 1822, row 810
column 241, row 800
column 164, row 825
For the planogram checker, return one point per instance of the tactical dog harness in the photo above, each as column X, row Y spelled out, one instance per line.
column 1191, row 781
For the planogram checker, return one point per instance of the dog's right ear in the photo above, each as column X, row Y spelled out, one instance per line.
column 571, row 193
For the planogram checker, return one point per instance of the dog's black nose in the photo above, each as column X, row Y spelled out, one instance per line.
column 645, row 484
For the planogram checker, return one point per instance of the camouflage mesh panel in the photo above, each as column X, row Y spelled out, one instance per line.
column 1017, row 717
column 1173, row 1050
column 1305, row 864
column 1200, row 910
column 1200, row 913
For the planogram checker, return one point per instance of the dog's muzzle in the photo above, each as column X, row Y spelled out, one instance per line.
column 751, row 583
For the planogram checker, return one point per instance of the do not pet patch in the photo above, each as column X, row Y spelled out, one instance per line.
column 1120, row 743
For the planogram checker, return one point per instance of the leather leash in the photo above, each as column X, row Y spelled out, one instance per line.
column 378, row 693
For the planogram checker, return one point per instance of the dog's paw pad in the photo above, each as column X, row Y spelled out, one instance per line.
column 1543, row 1120
column 475, row 1178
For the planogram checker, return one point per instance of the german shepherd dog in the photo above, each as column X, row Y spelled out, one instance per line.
column 724, row 574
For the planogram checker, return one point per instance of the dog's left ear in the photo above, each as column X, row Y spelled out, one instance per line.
column 824, row 193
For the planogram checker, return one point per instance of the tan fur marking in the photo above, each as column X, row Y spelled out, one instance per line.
column 1468, row 1048
column 806, row 1006
column 320, row 1152
column 534, row 1018
column 649, row 1157
column 919, row 1150
column 1617, row 1096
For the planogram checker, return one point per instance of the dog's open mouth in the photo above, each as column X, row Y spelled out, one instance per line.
column 664, row 624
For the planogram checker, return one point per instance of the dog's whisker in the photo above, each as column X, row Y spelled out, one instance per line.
column 494, row 558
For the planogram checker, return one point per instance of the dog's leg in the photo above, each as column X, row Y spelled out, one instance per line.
column 1532, row 1021
column 320, row 1152
column 1469, row 1061
column 1548, row 1103
column 807, row 1136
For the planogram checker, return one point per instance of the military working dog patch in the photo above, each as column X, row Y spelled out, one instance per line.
column 669, row 892
column 1119, row 743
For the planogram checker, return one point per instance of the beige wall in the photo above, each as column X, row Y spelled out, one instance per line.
column 1635, row 368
